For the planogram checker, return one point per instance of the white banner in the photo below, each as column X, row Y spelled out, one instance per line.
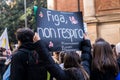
column 4, row 40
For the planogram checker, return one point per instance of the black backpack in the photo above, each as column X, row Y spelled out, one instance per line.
column 35, row 67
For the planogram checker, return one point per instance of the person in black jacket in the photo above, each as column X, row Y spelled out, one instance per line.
column 25, row 63
column 73, row 71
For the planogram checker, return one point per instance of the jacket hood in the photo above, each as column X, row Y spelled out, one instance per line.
column 28, row 45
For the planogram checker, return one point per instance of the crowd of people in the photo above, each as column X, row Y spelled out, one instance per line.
column 32, row 60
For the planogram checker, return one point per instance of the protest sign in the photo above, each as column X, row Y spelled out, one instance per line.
column 60, row 30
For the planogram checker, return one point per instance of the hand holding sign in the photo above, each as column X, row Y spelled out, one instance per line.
column 51, row 44
column 86, row 36
column 36, row 37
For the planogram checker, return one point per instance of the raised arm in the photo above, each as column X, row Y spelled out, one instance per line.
column 86, row 53
column 44, row 55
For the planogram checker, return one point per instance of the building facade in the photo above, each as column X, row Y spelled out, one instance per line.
column 102, row 16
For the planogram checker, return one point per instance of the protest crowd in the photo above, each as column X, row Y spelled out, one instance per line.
column 60, row 49
column 32, row 60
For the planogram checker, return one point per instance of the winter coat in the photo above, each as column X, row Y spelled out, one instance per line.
column 24, row 69
column 55, row 69
column 108, row 75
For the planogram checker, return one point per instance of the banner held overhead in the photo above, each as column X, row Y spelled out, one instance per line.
column 60, row 30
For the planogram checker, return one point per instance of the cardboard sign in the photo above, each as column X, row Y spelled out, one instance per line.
column 60, row 30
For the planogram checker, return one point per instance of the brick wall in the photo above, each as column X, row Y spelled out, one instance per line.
column 70, row 6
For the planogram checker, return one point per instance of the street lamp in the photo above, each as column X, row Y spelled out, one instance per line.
column 25, row 13
column 78, row 5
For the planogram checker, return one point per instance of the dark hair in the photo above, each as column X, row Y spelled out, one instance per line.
column 103, row 59
column 112, row 45
column 99, row 39
column 71, row 59
column 2, row 49
column 24, row 35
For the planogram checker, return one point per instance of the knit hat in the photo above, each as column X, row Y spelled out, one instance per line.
column 118, row 48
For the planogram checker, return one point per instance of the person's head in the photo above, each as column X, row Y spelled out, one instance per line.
column 72, row 62
column 71, row 59
column 3, row 51
column 61, row 56
column 103, row 56
column 99, row 40
column 24, row 35
column 112, row 45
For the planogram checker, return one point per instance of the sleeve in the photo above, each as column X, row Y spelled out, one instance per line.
column 17, row 71
column 86, row 55
column 6, row 75
column 50, row 65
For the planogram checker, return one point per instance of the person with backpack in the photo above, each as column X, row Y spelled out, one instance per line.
column 25, row 62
